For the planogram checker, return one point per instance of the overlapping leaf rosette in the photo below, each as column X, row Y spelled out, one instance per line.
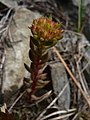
column 45, row 34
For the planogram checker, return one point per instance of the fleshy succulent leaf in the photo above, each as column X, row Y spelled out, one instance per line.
column 44, row 58
column 31, row 43
column 32, row 66
column 35, row 40
column 32, row 55
column 48, row 43
column 27, row 80
column 27, row 67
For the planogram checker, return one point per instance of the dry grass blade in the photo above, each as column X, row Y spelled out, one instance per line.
column 19, row 97
column 60, row 112
column 85, row 67
column 41, row 115
column 1, row 72
column 76, row 115
column 60, row 117
column 3, row 60
column 41, row 98
column 81, row 79
column 3, row 108
column 87, row 97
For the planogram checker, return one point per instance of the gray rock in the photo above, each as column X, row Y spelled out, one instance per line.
column 77, row 2
column 76, row 45
column 9, row 3
column 18, row 54
column 59, row 80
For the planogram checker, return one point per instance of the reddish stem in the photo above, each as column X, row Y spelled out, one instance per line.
column 34, row 75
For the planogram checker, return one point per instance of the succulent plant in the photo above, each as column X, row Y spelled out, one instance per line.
column 45, row 34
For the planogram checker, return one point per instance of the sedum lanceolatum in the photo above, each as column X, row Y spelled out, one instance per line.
column 45, row 34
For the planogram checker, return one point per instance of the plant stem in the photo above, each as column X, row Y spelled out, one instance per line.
column 80, row 12
column 34, row 75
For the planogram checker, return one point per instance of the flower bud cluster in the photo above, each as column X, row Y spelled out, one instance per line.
column 45, row 29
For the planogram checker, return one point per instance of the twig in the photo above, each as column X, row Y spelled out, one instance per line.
column 87, row 97
column 19, row 97
column 62, row 116
column 5, row 18
column 41, row 98
column 76, row 115
column 84, row 68
column 58, row 113
column 1, row 68
column 40, row 116
column 81, row 80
